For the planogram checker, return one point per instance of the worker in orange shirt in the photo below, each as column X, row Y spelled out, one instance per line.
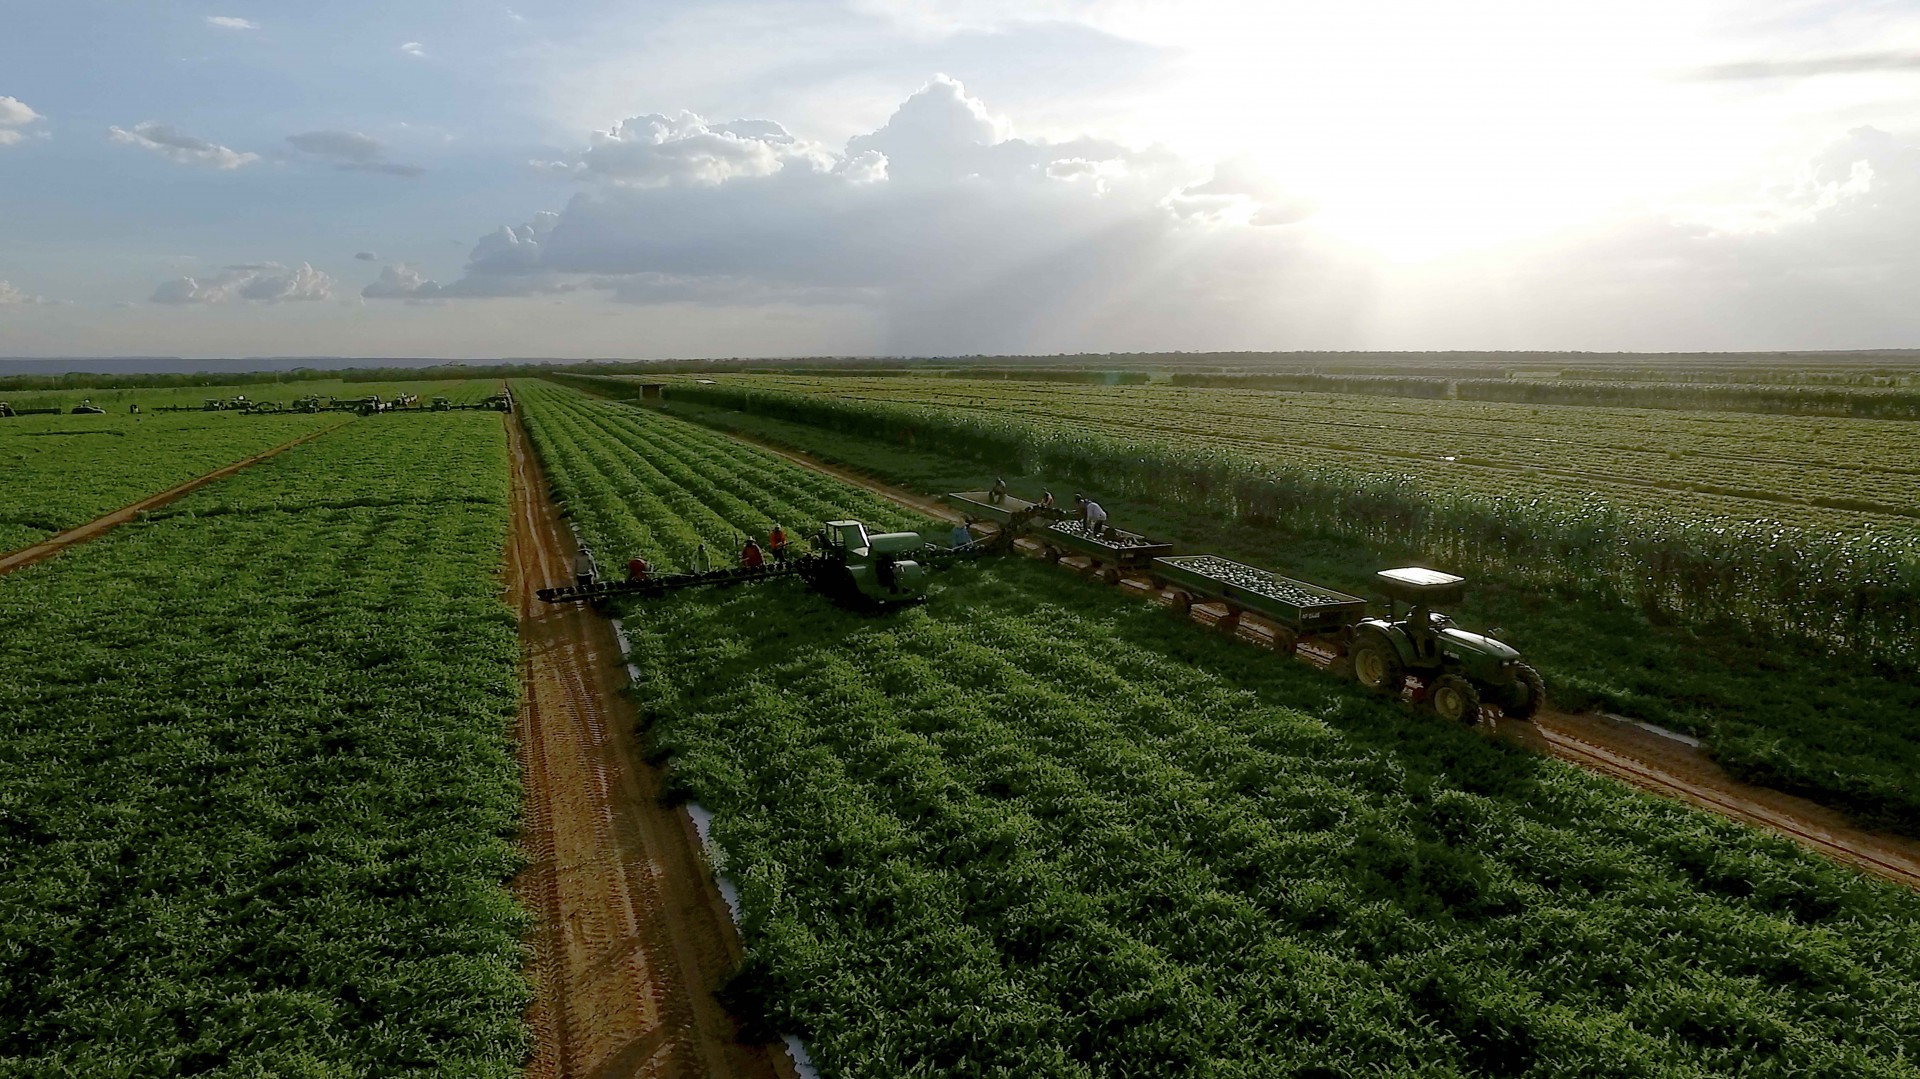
column 777, row 543
column 750, row 556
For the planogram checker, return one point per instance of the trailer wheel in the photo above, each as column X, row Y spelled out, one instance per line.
column 1377, row 667
column 1454, row 699
column 1183, row 602
column 1285, row 641
column 1051, row 554
column 1527, row 694
column 1110, row 575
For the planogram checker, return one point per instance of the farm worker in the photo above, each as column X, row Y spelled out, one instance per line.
column 1091, row 513
column 584, row 569
column 998, row 493
column 750, row 557
column 702, row 561
column 961, row 535
column 777, row 543
column 637, row 568
column 1046, row 500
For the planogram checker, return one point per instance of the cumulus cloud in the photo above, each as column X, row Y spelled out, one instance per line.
column 13, row 297
column 939, row 221
column 257, row 282
column 413, row 48
column 950, row 233
column 14, row 114
column 229, row 22
column 657, row 150
column 351, row 151
column 179, row 147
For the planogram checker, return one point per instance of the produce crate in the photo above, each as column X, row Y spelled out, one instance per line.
column 1112, row 547
column 1307, row 608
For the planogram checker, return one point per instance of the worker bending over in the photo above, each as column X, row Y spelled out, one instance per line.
column 585, row 571
column 638, row 568
column 1091, row 515
column 962, row 535
column 998, row 492
column 750, row 556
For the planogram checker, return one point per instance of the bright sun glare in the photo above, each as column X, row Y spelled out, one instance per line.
column 1424, row 131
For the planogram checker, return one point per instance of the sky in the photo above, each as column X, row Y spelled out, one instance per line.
column 922, row 177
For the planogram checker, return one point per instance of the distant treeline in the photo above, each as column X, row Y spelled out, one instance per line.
column 1707, row 397
column 1856, row 593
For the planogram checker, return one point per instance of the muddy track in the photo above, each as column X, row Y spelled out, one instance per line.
column 94, row 529
column 632, row 936
column 1616, row 748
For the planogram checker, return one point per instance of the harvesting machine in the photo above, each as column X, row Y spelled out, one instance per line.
column 848, row 564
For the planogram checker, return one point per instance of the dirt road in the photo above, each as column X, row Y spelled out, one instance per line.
column 1620, row 749
column 60, row 541
column 633, row 938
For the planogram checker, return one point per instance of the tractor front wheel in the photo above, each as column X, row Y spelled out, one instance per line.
column 1528, row 692
column 1454, row 699
column 1377, row 667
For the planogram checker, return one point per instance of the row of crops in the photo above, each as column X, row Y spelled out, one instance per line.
column 1856, row 476
column 1028, row 828
column 120, row 398
column 257, row 787
column 1859, row 592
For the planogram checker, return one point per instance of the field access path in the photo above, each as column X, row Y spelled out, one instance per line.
column 1619, row 748
column 632, row 936
column 60, row 541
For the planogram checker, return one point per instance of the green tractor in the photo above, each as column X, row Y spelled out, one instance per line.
column 878, row 569
column 88, row 408
column 1461, row 670
column 443, row 404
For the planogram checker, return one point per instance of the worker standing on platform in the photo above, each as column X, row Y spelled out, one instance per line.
column 750, row 556
column 998, row 493
column 1046, row 500
column 585, row 571
column 702, row 561
column 777, row 543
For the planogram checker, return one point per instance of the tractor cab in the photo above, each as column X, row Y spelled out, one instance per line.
column 1458, row 669
column 878, row 567
column 88, row 408
column 443, row 404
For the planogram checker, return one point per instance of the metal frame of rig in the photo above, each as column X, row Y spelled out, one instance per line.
column 1458, row 671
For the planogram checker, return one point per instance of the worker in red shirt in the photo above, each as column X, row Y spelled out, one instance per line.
column 750, row 557
column 637, row 568
column 777, row 543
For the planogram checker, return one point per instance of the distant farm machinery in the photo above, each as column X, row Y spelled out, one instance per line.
column 369, row 405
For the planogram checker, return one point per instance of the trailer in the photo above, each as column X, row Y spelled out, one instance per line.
column 1110, row 552
column 1296, row 609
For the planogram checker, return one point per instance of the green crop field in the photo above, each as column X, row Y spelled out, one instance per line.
column 120, row 398
column 1028, row 829
column 1842, row 475
column 64, row 470
column 257, row 789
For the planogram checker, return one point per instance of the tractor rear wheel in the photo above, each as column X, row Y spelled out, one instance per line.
column 1454, row 699
column 1528, row 692
column 1377, row 667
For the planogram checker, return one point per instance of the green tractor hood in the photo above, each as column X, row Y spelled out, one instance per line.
column 1459, row 643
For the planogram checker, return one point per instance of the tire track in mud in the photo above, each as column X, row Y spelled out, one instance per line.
column 1620, row 750
column 94, row 529
column 632, row 937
